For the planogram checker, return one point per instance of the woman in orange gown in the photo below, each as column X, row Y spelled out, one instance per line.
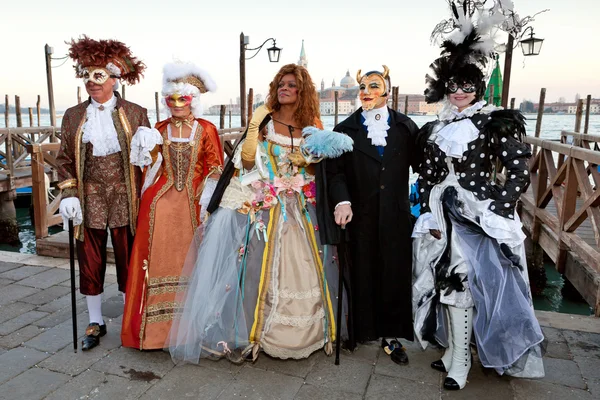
column 182, row 159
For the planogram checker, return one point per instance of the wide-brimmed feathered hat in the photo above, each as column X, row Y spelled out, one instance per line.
column 112, row 55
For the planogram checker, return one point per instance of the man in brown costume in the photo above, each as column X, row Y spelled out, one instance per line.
column 100, row 188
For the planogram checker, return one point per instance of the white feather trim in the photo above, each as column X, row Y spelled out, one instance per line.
column 179, row 70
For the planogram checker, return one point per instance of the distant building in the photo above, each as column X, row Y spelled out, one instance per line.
column 348, row 100
column 303, row 61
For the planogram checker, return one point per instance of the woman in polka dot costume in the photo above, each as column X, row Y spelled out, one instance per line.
column 469, row 266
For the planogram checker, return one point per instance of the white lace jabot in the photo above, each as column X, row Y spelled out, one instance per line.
column 376, row 121
column 99, row 128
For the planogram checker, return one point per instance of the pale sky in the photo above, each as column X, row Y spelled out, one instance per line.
column 338, row 35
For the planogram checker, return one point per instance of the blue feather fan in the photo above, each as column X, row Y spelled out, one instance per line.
column 325, row 144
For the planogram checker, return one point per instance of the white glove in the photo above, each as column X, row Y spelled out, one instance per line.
column 142, row 143
column 70, row 208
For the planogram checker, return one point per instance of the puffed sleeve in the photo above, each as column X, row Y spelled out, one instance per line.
column 505, row 131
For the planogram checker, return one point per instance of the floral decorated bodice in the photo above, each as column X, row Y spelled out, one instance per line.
column 285, row 179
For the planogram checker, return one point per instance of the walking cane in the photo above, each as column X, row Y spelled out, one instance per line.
column 73, row 305
column 341, row 264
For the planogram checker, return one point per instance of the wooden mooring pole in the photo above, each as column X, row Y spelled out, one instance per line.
column 156, row 104
column 48, row 54
column 335, row 107
column 512, row 103
column 31, row 118
column 38, row 107
column 18, row 111
column 578, row 115
column 538, row 124
column 222, row 117
column 6, row 110
column 406, row 105
column 588, row 103
column 123, row 91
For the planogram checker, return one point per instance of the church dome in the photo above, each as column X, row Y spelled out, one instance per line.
column 347, row 81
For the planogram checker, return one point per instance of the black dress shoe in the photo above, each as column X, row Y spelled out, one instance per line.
column 439, row 365
column 450, row 384
column 395, row 350
column 92, row 336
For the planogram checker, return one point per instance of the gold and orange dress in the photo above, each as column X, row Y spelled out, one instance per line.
column 169, row 214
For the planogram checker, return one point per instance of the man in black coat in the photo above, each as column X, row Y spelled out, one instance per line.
column 368, row 191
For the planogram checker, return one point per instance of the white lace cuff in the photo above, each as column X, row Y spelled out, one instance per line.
column 142, row 143
column 502, row 229
column 425, row 222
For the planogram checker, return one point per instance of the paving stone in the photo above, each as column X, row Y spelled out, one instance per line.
column 19, row 322
column 19, row 337
column 12, row 310
column 54, row 339
column 13, row 292
column 311, row 392
column 63, row 302
column 15, row 361
column 22, row 272
column 79, row 387
column 563, row 372
column 68, row 362
column 109, row 278
column 418, row 368
column 45, row 261
column 589, row 367
column 190, row 381
column 557, row 344
column 46, row 296
column 385, row 387
column 299, row 368
column 482, row 383
column 7, row 266
column 5, row 282
column 116, row 387
column 350, row 376
column 64, row 314
column 222, row 365
column 583, row 343
column 33, row 384
column 527, row 389
column 112, row 340
column 67, row 283
column 252, row 383
column 594, row 388
column 46, row 279
column 367, row 352
column 113, row 306
column 130, row 363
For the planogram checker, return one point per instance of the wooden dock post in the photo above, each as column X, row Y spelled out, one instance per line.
column 40, row 208
column 230, row 106
column 48, row 54
column 222, row 117
column 78, row 94
column 406, row 105
column 18, row 111
column 538, row 124
column 335, row 107
column 395, row 98
column 6, row 110
column 578, row 115
column 512, row 103
column 588, row 103
column 250, row 103
column 31, row 119
column 38, row 107
column 156, row 104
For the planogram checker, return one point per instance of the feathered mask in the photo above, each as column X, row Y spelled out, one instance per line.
column 111, row 55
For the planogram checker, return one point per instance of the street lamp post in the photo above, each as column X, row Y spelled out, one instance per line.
column 530, row 46
column 273, row 52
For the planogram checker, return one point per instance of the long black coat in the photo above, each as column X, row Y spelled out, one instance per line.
column 380, row 232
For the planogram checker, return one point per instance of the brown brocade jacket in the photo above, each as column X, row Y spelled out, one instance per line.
column 71, row 161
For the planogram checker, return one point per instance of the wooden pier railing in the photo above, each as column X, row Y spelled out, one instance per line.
column 561, row 208
column 43, row 162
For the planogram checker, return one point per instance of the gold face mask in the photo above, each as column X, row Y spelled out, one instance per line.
column 177, row 100
column 97, row 75
column 373, row 93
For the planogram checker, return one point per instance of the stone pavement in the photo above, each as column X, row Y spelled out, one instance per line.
column 37, row 359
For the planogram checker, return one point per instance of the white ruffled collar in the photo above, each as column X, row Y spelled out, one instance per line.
column 376, row 121
column 280, row 139
column 454, row 138
column 450, row 112
column 108, row 106
column 99, row 128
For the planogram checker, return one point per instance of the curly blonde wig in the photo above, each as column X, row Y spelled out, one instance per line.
column 307, row 110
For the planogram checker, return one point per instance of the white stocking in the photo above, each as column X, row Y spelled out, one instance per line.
column 94, row 304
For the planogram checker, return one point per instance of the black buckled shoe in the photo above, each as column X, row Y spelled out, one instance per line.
column 395, row 350
column 92, row 336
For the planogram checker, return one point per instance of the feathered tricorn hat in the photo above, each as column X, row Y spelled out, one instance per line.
column 187, row 79
column 467, row 44
column 110, row 54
